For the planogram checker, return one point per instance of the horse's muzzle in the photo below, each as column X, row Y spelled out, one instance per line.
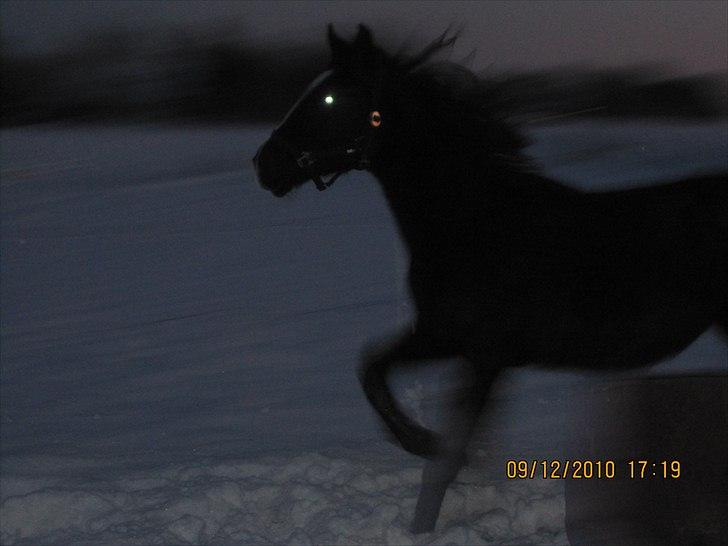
column 276, row 170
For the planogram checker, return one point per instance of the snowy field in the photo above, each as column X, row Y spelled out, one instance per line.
column 179, row 347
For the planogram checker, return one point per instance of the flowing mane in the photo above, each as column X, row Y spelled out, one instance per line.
column 462, row 105
column 458, row 111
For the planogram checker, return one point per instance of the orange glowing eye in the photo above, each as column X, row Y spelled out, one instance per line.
column 375, row 119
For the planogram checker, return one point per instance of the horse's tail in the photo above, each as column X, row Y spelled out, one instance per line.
column 720, row 209
column 711, row 211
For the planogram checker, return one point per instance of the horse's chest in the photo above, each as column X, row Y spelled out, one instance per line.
column 450, row 300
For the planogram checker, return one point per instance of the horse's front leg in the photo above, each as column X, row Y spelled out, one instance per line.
column 376, row 366
column 440, row 472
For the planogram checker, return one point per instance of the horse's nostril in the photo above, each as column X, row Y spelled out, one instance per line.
column 274, row 169
column 266, row 170
column 258, row 166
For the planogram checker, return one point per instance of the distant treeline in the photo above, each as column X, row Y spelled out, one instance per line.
column 123, row 77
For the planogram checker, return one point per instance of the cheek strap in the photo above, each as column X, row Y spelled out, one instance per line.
column 356, row 154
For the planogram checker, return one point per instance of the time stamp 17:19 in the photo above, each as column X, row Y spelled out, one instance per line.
column 521, row 469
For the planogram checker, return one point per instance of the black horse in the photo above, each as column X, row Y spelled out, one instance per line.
column 507, row 267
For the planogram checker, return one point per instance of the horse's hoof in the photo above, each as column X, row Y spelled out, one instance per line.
column 425, row 447
column 420, row 442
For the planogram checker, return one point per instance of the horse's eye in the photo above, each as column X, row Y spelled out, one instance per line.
column 329, row 99
column 375, row 118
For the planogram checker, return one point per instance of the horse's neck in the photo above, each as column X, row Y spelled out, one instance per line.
column 439, row 207
column 431, row 202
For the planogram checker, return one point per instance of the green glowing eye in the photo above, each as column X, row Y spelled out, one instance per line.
column 328, row 99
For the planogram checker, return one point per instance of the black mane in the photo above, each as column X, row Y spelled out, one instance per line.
column 463, row 105
column 452, row 114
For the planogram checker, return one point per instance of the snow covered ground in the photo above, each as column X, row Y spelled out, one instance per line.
column 178, row 347
column 311, row 498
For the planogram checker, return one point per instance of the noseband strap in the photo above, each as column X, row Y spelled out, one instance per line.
column 308, row 160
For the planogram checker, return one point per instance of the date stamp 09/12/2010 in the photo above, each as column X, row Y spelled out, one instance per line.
column 521, row 469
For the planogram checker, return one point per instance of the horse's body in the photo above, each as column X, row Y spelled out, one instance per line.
column 544, row 274
column 507, row 267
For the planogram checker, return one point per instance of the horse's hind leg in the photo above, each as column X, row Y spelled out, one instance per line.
column 440, row 472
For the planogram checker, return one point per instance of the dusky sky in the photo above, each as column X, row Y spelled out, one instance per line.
column 688, row 36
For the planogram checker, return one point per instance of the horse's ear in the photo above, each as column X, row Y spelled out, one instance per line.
column 363, row 38
column 357, row 57
column 340, row 49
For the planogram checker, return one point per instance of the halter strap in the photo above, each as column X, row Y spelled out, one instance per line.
column 307, row 159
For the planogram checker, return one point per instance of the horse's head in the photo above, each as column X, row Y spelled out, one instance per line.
column 334, row 126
